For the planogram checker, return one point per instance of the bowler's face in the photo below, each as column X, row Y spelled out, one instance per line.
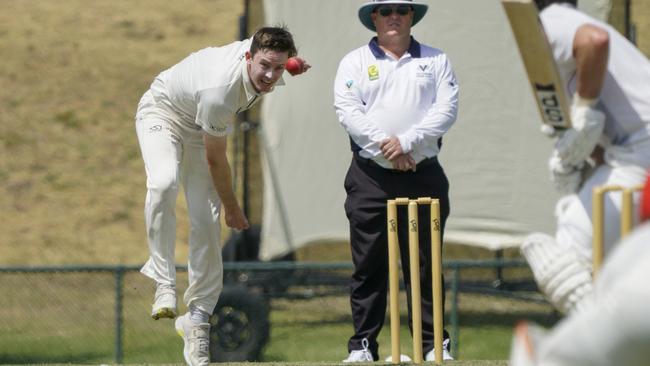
column 265, row 68
column 393, row 19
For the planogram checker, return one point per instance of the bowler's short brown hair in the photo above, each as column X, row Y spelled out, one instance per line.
column 273, row 38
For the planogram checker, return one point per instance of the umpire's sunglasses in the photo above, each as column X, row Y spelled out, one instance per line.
column 386, row 11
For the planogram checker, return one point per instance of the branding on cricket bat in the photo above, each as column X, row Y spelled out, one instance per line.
column 537, row 57
column 549, row 104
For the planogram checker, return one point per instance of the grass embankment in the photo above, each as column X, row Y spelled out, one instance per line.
column 71, row 178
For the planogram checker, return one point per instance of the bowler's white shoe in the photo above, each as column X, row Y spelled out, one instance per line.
column 446, row 356
column 164, row 303
column 360, row 355
column 197, row 340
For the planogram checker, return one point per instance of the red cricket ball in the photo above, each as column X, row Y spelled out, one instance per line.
column 294, row 65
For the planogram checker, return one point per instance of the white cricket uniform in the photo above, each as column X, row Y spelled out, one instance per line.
column 198, row 95
column 625, row 100
column 615, row 328
column 420, row 87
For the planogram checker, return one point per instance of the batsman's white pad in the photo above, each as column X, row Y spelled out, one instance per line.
column 560, row 274
column 576, row 144
column 616, row 329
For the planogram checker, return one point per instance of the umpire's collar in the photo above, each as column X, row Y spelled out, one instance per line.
column 414, row 48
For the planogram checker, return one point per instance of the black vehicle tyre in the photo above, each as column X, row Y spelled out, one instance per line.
column 244, row 246
column 239, row 326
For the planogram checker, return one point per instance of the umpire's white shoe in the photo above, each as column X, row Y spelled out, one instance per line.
column 360, row 355
column 197, row 340
column 402, row 359
column 164, row 303
column 446, row 356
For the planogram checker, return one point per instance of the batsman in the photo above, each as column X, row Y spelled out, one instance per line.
column 608, row 81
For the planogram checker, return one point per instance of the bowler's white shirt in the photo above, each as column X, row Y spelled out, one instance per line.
column 414, row 98
column 625, row 97
column 207, row 88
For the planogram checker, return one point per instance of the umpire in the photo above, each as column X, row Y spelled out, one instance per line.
column 395, row 98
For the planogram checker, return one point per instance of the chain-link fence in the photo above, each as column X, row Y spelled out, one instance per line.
column 101, row 314
column 81, row 315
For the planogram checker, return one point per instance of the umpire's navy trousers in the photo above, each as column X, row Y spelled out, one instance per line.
column 368, row 186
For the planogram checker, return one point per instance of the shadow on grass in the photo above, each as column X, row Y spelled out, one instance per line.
column 76, row 358
column 465, row 318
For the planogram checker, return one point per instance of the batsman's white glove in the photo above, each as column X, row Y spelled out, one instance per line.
column 578, row 142
column 566, row 178
column 549, row 131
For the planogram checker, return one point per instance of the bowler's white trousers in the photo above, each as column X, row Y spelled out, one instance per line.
column 626, row 166
column 174, row 154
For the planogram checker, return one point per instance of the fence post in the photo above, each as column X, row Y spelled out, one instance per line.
column 119, row 281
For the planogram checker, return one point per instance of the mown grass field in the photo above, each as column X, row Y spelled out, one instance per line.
column 72, row 189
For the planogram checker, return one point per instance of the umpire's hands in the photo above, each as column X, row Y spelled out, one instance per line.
column 391, row 148
column 404, row 163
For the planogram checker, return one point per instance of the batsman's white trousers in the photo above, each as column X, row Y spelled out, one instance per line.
column 174, row 154
column 625, row 166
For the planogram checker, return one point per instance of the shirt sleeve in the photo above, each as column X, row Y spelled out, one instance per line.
column 560, row 31
column 442, row 113
column 212, row 113
column 351, row 108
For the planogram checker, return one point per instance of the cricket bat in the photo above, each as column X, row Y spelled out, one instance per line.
column 538, row 60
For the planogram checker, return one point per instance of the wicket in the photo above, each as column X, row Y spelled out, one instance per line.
column 598, row 218
column 393, row 273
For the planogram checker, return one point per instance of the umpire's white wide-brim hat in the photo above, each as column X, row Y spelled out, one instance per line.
column 366, row 9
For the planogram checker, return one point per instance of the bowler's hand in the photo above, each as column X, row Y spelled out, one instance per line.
column 235, row 218
column 296, row 66
column 404, row 163
column 391, row 148
column 305, row 66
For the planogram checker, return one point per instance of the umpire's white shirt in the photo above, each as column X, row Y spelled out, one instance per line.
column 414, row 98
column 207, row 88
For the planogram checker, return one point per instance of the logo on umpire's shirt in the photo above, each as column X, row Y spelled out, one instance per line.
column 425, row 72
column 349, row 84
column 373, row 72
